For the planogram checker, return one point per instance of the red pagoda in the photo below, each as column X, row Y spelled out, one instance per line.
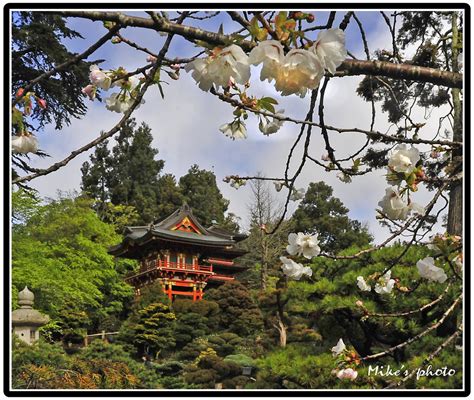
column 180, row 253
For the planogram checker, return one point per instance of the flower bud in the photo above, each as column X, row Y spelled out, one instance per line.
column 310, row 18
column 42, row 103
column 20, row 92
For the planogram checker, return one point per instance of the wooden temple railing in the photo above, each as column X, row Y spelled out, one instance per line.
column 171, row 266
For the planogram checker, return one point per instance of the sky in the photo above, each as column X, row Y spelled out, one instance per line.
column 185, row 125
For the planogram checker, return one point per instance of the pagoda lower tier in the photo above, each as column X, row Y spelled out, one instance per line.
column 181, row 279
column 181, row 254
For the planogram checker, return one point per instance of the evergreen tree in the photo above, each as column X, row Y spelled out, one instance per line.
column 134, row 171
column 37, row 47
column 200, row 191
column 168, row 196
column 95, row 176
column 127, row 176
column 325, row 214
column 239, row 313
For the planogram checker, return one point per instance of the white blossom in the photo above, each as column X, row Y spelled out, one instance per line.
column 338, row 348
column 297, row 194
column 325, row 157
column 237, row 183
column 344, row 177
column 363, row 285
column 279, row 185
column 271, row 54
column 404, row 159
column 293, row 269
column 385, row 284
column 219, row 67
column 417, row 208
column 234, row 130
column 99, row 78
column 301, row 70
column 393, row 205
column 120, row 102
column 330, row 49
column 347, row 373
column 428, row 270
column 302, row 244
column 268, row 127
column 24, row 144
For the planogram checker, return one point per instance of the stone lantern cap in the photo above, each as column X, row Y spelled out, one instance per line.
column 26, row 315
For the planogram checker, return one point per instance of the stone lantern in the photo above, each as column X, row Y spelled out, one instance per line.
column 26, row 320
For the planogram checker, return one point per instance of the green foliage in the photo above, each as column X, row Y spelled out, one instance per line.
column 46, row 366
column 24, row 205
column 189, row 326
column 239, row 313
column 150, row 329
column 241, row 359
column 60, row 253
column 192, row 350
column 325, row 214
column 224, row 343
column 211, row 369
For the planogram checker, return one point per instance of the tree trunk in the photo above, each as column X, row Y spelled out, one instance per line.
column 282, row 331
column 455, row 212
column 263, row 262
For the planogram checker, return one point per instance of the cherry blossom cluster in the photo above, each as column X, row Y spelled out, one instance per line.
column 121, row 101
column 237, row 128
column 293, row 73
column 235, row 181
column 402, row 167
column 24, row 141
column 383, row 284
column 346, row 361
column 296, row 194
column 300, row 244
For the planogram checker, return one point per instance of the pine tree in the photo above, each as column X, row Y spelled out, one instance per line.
column 200, row 191
column 325, row 214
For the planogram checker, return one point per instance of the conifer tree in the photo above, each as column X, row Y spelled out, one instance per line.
column 325, row 214
column 200, row 191
column 37, row 39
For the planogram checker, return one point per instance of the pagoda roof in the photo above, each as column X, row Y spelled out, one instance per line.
column 180, row 227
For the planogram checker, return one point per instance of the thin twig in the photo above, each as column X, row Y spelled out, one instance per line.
column 416, row 337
